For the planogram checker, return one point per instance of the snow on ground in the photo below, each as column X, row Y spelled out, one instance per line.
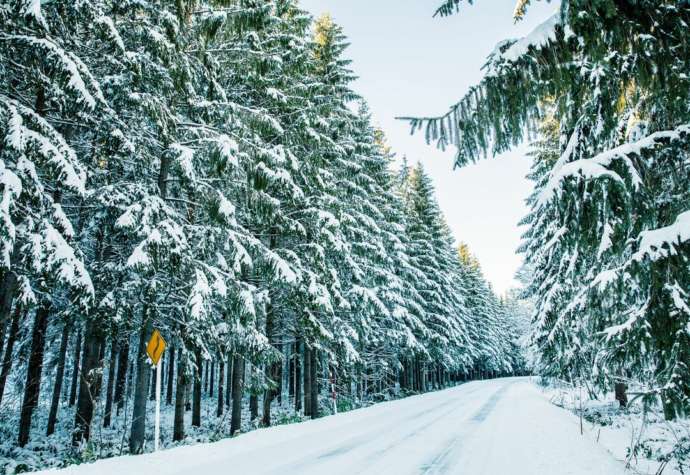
column 496, row 427
column 618, row 431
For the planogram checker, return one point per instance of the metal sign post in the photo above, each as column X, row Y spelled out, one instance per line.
column 155, row 348
column 157, row 432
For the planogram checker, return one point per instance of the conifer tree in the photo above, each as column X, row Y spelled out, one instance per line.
column 612, row 212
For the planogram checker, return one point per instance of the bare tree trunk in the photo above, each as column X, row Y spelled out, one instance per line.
column 253, row 407
column 111, row 383
column 59, row 377
column 670, row 412
column 279, row 372
column 237, row 390
column 314, row 384
column 141, row 390
column 291, row 372
column 271, row 370
column 205, row 376
column 32, row 388
column 221, row 393
column 171, row 376
column 121, row 381
column 180, row 399
column 228, row 386
column 404, row 383
column 212, row 378
column 152, row 386
column 269, row 395
column 307, row 380
column 620, row 390
column 89, row 384
column 130, row 379
column 75, row 370
column 7, row 290
column 11, row 339
column 196, row 402
column 297, row 378
column 188, row 393
column 413, row 376
column 281, row 375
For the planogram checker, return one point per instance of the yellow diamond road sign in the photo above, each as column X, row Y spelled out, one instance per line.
column 156, row 347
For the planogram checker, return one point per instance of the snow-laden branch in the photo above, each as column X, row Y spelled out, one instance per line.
column 660, row 243
column 537, row 38
column 598, row 166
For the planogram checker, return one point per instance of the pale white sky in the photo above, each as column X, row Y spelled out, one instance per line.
column 410, row 64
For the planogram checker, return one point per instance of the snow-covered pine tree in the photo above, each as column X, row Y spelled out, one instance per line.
column 432, row 252
column 614, row 207
column 47, row 93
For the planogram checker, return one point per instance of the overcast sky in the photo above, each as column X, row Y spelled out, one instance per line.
column 410, row 64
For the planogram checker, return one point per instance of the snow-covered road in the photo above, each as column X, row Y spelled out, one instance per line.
column 496, row 427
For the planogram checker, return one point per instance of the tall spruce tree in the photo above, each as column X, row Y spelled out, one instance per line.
column 612, row 213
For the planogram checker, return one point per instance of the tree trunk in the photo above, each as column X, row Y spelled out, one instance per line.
column 121, row 381
column 171, row 375
column 620, row 390
column 212, row 379
column 141, row 390
column 228, row 385
column 279, row 376
column 253, row 407
column 196, row 402
column 314, row 384
column 75, row 370
column 307, row 380
column 32, row 388
column 188, row 393
column 271, row 371
column 410, row 376
column 269, row 394
column 291, row 374
column 206, row 366
column 111, row 383
column 11, row 339
column 670, row 412
column 180, row 399
column 297, row 378
column 237, row 389
column 402, row 377
column 7, row 290
column 221, row 393
column 59, row 376
column 89, row 383
column 152, row 386
column 130, row 379
column 164, row 377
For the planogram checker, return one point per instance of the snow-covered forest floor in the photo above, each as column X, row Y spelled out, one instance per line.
column 646, row 443
column 488, row 427
column 55, row 451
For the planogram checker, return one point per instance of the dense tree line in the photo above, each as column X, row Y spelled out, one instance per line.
column 604, row 87
column 203, row 168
